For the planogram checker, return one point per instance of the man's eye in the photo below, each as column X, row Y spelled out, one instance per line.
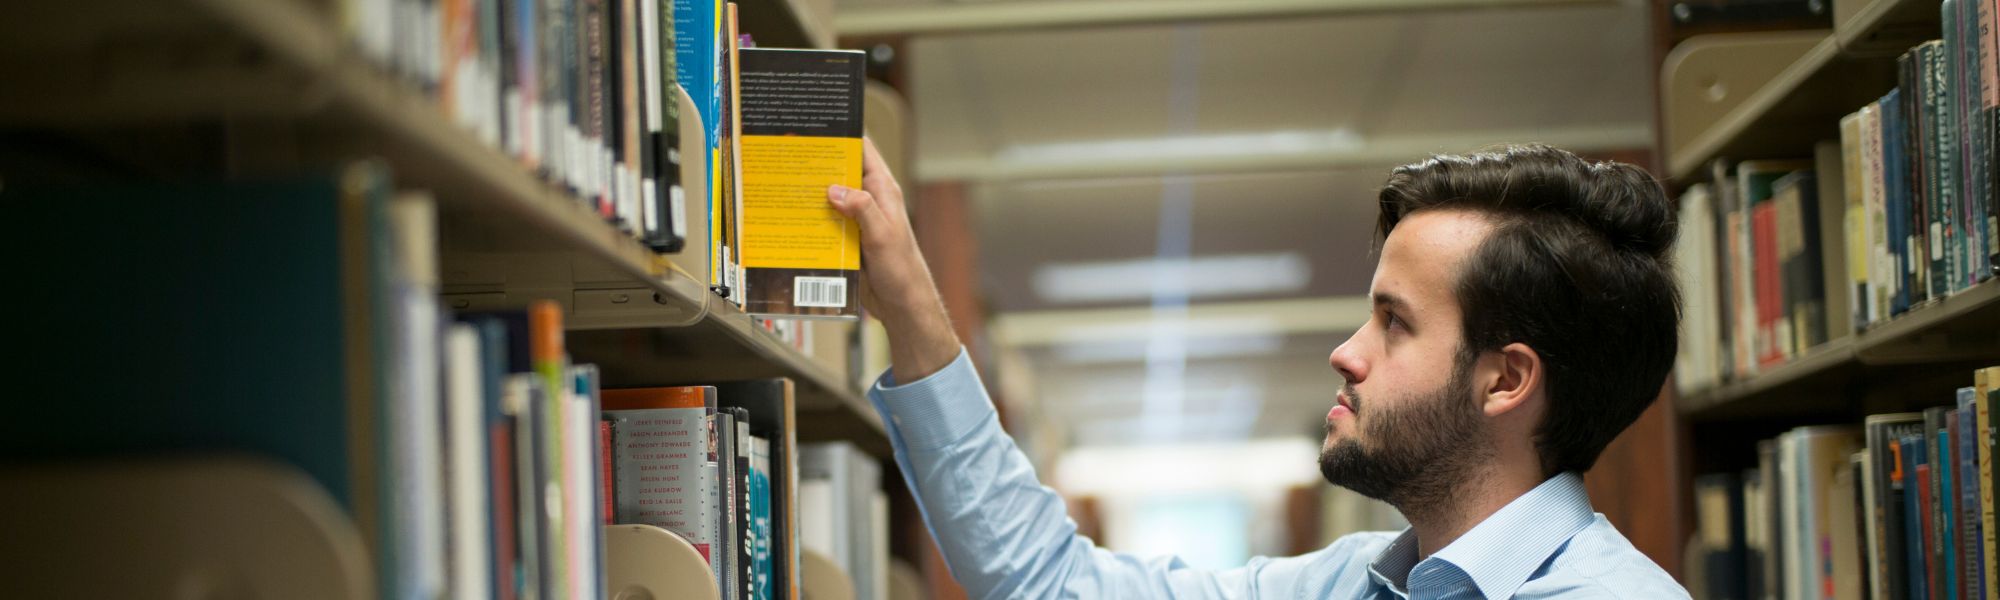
column 1391, row 321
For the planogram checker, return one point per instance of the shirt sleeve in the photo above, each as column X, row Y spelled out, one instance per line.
column 1002, row 532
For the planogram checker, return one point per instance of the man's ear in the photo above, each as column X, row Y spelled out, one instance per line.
column 1513, row 378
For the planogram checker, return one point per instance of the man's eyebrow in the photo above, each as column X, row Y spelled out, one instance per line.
column 1390, row 300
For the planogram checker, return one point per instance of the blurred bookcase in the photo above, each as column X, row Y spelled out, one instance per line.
column 226, row 89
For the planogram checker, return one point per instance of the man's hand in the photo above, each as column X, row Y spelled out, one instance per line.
column 896, row 285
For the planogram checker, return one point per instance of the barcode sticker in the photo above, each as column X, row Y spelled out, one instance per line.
column 815, row 292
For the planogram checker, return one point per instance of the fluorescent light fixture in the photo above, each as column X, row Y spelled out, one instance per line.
column 1169, row 148
column 1180, row 468
column 1206, row 348
column 1202, row 277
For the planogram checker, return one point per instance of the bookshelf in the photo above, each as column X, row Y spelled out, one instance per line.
column 1732, row 108
column 238, row 89
column 1964, row 326
column 281, row 72
column 1735, row 97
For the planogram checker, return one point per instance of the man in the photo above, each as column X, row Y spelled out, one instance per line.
column 1524, row 314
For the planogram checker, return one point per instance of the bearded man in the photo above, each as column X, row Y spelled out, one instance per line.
column 1524, row 313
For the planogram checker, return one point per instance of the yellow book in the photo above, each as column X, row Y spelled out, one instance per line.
column 801, row 112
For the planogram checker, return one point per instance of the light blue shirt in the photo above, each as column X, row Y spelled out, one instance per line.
column 1007, row 536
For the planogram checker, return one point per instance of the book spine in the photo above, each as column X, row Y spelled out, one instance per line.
column 1933, row 141
column 746, row 538
column 1960, row 65
column 608, row 480
column 760, row 510
column 1916, row 557
column 697, row 29
column 558, row 441
column 1897, row 185
column 1915, row 139
column 1873, row 239
column 1933, row 585
column 1952, row 563
column 524, row 390
column 466, row 471
column 594, row 40
column 1971, row 547
column 1770, row 294
column 1984, row 390
column 506, row 547
column 580, row 486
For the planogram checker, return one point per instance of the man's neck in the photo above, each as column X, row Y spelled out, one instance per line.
column 1439, row 523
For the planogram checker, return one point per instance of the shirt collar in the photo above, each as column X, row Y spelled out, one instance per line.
column 1501, row 552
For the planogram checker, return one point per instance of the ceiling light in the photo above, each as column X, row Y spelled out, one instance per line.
column 1195, row 278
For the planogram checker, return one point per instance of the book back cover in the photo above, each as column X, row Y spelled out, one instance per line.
column 801, row 112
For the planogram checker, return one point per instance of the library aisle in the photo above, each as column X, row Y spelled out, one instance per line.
column 519, row 299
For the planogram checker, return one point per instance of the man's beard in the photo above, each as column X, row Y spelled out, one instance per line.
column 1420, row 450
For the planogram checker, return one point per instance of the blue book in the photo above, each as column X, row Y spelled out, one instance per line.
column 1911, row 448
column 1972, row 548
column 698, row 47
column 1896, row 183
column 1947, row 509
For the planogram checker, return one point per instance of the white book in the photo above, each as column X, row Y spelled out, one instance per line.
column 415, row 535
column 580, row 483
column 816, row 517
column 468, row 474
column 1696, row 367
column 877, row 560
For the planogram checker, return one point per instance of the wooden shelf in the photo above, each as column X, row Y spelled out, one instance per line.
column 278, row 70
column 1964, row 327
column 1801, row 104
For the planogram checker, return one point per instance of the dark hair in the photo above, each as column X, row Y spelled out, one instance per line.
column 1576, row 267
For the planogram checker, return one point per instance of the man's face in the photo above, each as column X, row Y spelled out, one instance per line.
column 1407, row 413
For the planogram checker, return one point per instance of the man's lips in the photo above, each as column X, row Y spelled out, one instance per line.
column 1342, row 407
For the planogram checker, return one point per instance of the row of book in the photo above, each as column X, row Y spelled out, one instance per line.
column 1899, row 507
column 586, row 93
column 299, row 320
column 1751, row 264
column 579, row 91
column 1779, row 256
column 1919, row 185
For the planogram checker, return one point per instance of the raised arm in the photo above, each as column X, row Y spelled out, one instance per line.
column 1003, row 534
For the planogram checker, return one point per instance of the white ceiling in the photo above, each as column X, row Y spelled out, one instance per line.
column 1364, row 92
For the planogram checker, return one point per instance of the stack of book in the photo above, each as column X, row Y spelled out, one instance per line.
column 846, row 514
column 580, row 91
column 299, row 320
column 1780, row 256
column 1922, row 201
column 586, row 94
column 712, row 464
column 1897, row 507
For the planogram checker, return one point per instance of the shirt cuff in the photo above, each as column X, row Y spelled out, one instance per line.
column 940, row 409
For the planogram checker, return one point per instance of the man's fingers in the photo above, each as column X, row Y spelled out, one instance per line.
column 860, row 206
column 875, row 174
column 871, row 159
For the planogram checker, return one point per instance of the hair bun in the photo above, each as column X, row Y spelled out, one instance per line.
column 1628, row 205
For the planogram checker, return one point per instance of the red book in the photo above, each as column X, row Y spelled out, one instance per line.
column 604, row 469
column 1770, row 292
column 1930, row 541
column 505, row 548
